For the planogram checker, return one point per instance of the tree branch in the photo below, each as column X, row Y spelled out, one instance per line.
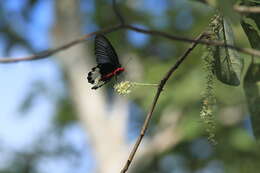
column 246, row 9
column 118, row 13
column 158, row 93
column 167, row 137
column 47, row 53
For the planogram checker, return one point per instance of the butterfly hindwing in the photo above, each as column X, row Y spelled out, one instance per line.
column 94, row 75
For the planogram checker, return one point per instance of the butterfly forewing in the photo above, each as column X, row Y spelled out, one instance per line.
column 105, row 52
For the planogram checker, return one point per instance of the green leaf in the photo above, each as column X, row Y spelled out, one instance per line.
column 228, row 64
column 250, row 1
column 255, row 1
column 253, row 16
column 252, row 34
column 256, row 18
column 251, row 26
column 252, row 91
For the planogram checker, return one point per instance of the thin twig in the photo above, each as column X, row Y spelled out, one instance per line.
column 248, row 51
column 158, row 93
column 144, row 84
column 118, row 13
column 49, row 52
column 246, row 9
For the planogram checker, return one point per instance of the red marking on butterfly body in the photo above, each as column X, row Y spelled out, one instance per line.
column 113, row 73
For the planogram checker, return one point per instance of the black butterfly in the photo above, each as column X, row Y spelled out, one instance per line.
column 107, row 63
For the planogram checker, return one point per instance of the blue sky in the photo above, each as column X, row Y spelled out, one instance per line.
column 16, row 80
column 19, row 130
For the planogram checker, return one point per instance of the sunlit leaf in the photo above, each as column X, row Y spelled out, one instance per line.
column 252, row 91
column 228, row 63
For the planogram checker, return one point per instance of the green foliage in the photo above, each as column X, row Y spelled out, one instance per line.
column 241, row 140
column 252, row 90
column 239, row 152
column 191, row 127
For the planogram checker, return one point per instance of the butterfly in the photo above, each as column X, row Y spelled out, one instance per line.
column 108, row 64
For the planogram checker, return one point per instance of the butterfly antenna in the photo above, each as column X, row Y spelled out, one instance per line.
column 129, row 59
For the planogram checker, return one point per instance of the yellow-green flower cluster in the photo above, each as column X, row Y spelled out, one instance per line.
column 123, row 88
column 208, row 118
column 209, row 100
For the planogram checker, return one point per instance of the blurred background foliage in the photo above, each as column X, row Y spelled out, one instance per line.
column 52, row 150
